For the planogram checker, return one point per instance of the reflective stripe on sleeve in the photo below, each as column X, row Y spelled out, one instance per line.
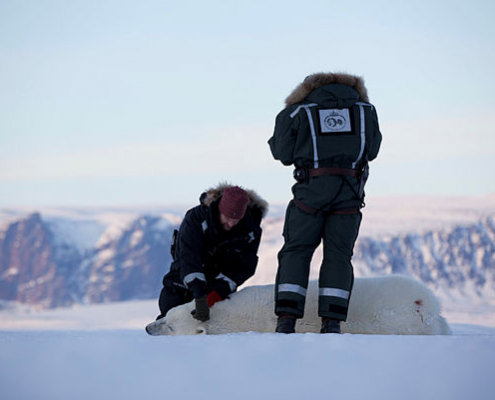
column 334, row 292
column 231, row 283
column 251, row 237
column 290, row 287
column 195, row 275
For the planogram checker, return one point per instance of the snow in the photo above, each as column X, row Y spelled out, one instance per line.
column 129, row 364
column 82, row 235
column 102, row 352
column 87, row 228
column 83, row 227
column 395, row 215
column 383, row 218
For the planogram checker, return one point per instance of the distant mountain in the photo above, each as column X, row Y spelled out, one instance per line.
column 459, row 259
column 32, row 269
column 56, row 258
column 41, row 264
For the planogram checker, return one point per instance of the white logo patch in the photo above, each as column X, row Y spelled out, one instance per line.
column 335, row 121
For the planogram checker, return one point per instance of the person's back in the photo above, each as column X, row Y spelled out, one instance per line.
column 328, row 131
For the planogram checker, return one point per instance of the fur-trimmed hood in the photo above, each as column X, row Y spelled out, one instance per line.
column 215, row 193
column 318, row 80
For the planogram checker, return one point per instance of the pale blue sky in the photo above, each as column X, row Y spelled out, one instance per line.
column 150, row 102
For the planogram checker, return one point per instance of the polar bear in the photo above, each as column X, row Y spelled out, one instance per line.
column 393, row 304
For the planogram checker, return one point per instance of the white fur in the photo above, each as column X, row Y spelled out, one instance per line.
column 392, row 304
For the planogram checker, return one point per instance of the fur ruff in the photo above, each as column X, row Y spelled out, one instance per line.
column 318, row 80
column 255, row 201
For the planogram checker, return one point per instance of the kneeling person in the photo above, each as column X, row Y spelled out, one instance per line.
column 215, row 249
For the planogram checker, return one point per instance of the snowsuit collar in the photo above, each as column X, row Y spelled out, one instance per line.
column 213, row 195
column 319, row 85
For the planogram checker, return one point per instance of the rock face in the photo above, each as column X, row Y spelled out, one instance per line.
column 58, row 262
column 132, row 266
column 39, row 268
column 29, row 270
column 460, row 259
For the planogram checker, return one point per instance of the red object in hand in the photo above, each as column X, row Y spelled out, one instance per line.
column 213, row 298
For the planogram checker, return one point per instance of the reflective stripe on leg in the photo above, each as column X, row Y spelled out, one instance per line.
column 334, row 292
column 290, row 287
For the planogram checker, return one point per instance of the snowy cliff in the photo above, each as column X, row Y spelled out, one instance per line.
column 60, row 260
column 57, row 258
column 458, row 259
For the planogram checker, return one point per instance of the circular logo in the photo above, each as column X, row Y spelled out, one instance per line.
column 335, row 122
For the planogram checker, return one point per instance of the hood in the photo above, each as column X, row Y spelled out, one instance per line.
column 255, row 201
column 318, row 80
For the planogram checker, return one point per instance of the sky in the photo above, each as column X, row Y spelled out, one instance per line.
column 106, row 102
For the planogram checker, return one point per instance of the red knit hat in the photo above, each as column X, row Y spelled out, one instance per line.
column 234, row 202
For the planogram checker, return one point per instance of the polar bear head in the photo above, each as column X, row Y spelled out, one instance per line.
column 178, row 321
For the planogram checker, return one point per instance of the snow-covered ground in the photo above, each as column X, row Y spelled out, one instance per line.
column 102, row 352
column 129, row 364
column 134, row 315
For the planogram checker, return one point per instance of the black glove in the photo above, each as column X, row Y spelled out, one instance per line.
column 202, row 311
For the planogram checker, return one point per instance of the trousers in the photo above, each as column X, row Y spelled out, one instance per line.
column 303, row 233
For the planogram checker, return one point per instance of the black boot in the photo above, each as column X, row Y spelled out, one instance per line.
column 330, row 325
column 286, row 324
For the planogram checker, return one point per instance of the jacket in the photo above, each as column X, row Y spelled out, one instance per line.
column 328, row 122
column 207, row 258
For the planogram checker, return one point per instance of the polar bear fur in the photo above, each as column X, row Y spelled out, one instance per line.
column 391, row 304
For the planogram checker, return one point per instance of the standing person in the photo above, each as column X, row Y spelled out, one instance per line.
column 328, row 131
column 215, row 249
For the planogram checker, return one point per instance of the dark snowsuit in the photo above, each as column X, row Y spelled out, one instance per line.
column 328, row 131
column 206, row 258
